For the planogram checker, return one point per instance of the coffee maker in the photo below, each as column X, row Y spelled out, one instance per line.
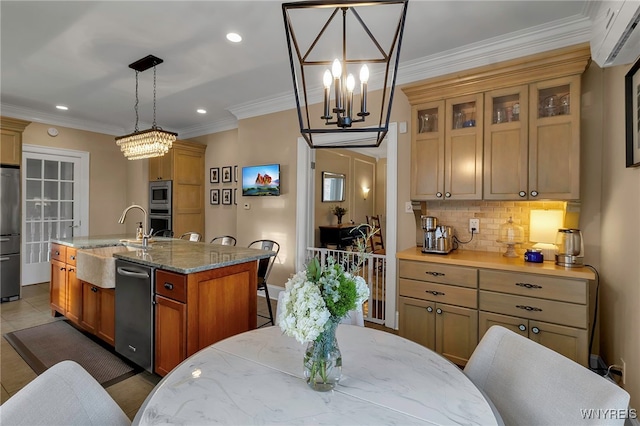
column 437, row 238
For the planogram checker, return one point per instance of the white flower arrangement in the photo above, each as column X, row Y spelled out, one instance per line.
column 317, row 295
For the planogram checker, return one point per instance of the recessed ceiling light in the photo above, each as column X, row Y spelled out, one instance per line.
column 201, row 111
column 62, row 107
column 234, row 37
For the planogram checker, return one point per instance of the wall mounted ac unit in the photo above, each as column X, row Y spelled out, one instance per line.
column 615, row 34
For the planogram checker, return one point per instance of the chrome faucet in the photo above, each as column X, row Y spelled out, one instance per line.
column 145, row 236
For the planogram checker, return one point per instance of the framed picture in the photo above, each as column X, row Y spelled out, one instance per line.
column 632, row 114
column 215, row 197
column 235, row 196
column 226, row 195
column 214, row 175
column 226, row 174
column 235, row 173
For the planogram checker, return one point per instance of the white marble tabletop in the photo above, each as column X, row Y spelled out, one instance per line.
column 256, row 378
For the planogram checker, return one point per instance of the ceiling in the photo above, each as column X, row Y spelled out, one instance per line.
column 76, row 53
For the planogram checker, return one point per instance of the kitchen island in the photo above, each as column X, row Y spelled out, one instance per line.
column 202, row 293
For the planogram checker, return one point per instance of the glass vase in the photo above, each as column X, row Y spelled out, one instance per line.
column 339, row 219
column 323, row 360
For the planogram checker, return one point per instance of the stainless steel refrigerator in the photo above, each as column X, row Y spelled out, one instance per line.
column 9, row 233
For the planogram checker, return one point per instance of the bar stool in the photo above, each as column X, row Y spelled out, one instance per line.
column 225, row 240
column 264, row 269
column 191, row 236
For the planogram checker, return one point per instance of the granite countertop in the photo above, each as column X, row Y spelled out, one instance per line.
column 488, row 260
column 184, row 257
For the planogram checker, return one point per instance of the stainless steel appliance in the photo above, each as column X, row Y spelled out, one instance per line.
column 9, row 233
column 570, row 248
column 160, row 205
column 437, row 238
column 134, row 312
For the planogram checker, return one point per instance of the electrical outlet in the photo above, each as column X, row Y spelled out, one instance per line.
column 474, row 223
column 408, row 207
column 624, row 370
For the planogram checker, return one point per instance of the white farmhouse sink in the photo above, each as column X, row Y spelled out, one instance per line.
column 98, row 266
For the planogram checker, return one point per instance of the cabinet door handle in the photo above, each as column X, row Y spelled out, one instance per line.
column 439, row 194
column 529, row 308
column 438, row 311
column 429, row 309
column 94, row 289
column 72, row 257
column 435, row 274
column 71, row 269
column 535, row 330
column 447, row 194
column 522, row 327
column 4, row 259
column 63, row 269
column 522, row 193
column 435, row 293
column 57, row 253
column 527, row 285
column 534, row 193
column 168, row 286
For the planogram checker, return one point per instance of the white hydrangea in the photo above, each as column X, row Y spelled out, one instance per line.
column 362, row 290
column 305, row 313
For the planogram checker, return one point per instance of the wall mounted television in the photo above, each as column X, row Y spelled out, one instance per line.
column 261, row 180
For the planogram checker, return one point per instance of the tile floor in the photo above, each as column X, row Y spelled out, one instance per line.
column 33, row 309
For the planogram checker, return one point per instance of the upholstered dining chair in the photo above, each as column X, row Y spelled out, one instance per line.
column 65, row 394
column 264, row 269
column 191, row 236
column 530, row 384
column 163, row 233
column 353, row 317
column 225, row 240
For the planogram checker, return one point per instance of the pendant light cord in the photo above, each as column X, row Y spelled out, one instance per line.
column 135, row 107
column 154, row 98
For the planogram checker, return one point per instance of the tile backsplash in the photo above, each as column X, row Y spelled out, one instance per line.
column 492, row 214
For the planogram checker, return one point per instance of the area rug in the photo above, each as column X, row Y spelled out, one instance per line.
column 45, row 345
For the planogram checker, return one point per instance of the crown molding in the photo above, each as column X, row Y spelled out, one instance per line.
column 555, row 35
column 216, row 126
column 53, row 119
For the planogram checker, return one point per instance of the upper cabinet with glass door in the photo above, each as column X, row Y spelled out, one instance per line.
column 554, row 139
column 506, row 144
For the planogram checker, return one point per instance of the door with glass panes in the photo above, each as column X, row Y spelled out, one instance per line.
column 52, row 207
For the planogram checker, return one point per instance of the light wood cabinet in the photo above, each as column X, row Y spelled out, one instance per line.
column 447, row 149
column 196, row 310
column 161, row 168
column 184, row 165
column 438, row 308
column 98, row 311
column 554, row 139
column 554, row 312
column 11, row 140
column 58, row 287
column 534, row 154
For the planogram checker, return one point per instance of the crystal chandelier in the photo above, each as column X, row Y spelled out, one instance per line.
column 153, row 142
column 371, row 50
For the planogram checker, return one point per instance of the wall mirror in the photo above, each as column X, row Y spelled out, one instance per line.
column 332, row 187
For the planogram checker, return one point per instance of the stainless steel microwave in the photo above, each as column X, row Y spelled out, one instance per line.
column 160, row 197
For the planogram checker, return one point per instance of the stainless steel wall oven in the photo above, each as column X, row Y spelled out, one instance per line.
column 160, row 205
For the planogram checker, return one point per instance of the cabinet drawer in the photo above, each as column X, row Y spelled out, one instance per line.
column 439, row 293
column 59, row 252
column 537, row 309
column 437, row 273
column 71, row 256
column 545, row 287
column 171, row 285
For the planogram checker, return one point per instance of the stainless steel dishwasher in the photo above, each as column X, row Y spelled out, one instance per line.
column 134, row 312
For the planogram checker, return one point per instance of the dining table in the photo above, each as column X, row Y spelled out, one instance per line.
column 256, row 377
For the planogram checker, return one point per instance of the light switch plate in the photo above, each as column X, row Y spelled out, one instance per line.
column 247, row 206
column 408, row 207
